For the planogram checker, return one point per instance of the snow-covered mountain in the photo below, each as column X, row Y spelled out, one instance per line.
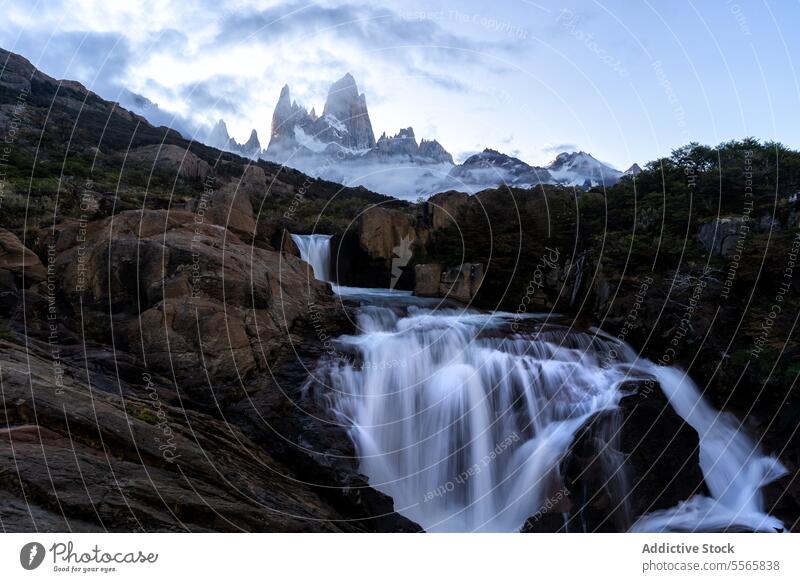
column 340, row 146
column 582, row 170
column 491, row 168
column 344, row 130
column 219, row 138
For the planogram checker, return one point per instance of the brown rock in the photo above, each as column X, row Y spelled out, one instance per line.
column 197, row 299
column 383, row 230
column 19, row 262
column 462, row 283
column 444, row 208
column 87, row 460
column 426, row 279
column 288, row 245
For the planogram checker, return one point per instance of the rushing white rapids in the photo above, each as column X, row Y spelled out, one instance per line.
column 733, row 467
column 315, row 249
column 465, row 423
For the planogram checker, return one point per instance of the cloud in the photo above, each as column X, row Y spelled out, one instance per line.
column 97, row 59
column 558, row 148
column 214, row 62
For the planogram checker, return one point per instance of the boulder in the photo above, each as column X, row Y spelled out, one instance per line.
column 227, row 206
column 662, row 451
column 462, row 283
column 427, row 278
column 18, row 263
column 287, row 244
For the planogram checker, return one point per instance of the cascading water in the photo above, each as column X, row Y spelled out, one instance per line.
column 733, row 467
column 315, row 249
column 465, row 422
column 463, row 429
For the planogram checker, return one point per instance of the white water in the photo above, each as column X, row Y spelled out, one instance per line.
column 465, row 424
column 315, row 249
column 733, row 467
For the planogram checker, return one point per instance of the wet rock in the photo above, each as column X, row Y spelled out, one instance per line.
column 662, row 450
column 634, row 460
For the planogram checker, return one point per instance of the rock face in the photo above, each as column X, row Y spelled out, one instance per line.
column 228, row 206
column 345, row 105
column 720, row 236
column 344, row 122
column 379, row 249
column 285, row 117
column 80, row 459
column 340, row 144
column 662, row 450
column 197, row 316
column 192, row 295
column 382, row 230
column 462, row 283
column 20, row 268
column 252, row 147
column 444, row 208
column 659, row 454
column 433, row 150
column 404, row 145
column 219, row 138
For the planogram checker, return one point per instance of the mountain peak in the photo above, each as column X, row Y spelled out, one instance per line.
column 634, row 170
column 253, row 141
column 346, row 81
column 348, row 107
column 582, row 169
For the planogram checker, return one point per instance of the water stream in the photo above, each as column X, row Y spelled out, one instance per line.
column 464, row 420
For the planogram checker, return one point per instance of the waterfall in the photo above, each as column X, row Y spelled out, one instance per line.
column 466, row 424
column 733, row 468
column 315, row 249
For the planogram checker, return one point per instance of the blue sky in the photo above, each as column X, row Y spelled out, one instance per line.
column 626, row 81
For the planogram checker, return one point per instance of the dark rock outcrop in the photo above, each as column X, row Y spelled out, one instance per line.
column 625, row 463
column 720, row 235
